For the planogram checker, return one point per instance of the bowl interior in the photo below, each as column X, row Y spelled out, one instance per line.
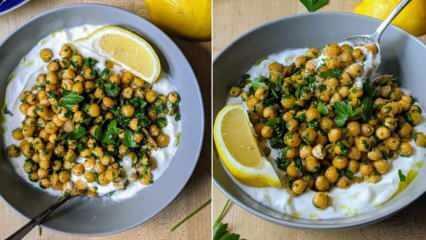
column 401, row 55
column 101, row 215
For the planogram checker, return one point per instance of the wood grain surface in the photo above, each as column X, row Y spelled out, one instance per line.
column 231, row 19
column 196, row 192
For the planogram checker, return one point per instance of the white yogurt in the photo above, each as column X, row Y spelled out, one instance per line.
column 359, row 197
column 23, row 78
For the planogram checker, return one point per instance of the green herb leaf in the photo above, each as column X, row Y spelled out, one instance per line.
column 111, row 89
column 105, row 74
column 98, row 133
column 111, row 133
column 313, row 5
column 258, row 83
column 129, row 141
column 78, row 133
column 343, row 112
column 70, row 99
column 161, row 122
column 332, row 73
column 401, row 175
column 322, row 108
column 90, row 62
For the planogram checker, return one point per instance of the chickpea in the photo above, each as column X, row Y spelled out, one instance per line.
column 292, row 124
column 362, row 144
column 64, row 176
column 266, row 132
column 150, row 96
column 298, row 187
column 334, row 62
column 366, row 169
column 332, row 50
column 292, row 170
column 53, row 66
column 46, row 54
column 382, row 166
column 78, row 87
column 288, row 102
column 312, row 114
column 383, row 133
column 357, row 54
column 269, row 112
column 68, row 126
column 372, row 48
column 331, row 174
column 309, row 135
column 107, row 102
column 275, row 67
column 415, row 117
column 405, row 149
column 367, row 130
column 44, row 183
column 305, row 151
column 354, row 128
column 78, row 169
column 68, row 74
column 94, row 110
column 66, row 51
column 405, row 130
column 353, row 166
column 106, row 160
column 421, row 139
column 340, row 162
column 127, row 110
column 335, row 135
column 289, row 153
column 326, row 124
column 13, row 151
column 17, row 134
column 322, row 183
column 89, row 163
column 163, row 140
column 321, row 200
column 343, row 182
column 312, row 164
column 292, row 139
column 375, row 155
column 127, row 77
column 52, row 78
column 261, row 93
column 354, row 70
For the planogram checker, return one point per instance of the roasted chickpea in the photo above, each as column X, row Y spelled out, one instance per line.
column 46, row 54
column 357, row 54
column 382, row 133
column 292, row 170
column 64, row 176
column 312, row 114
column 305, row 151
column 289, row 153
column 266, row 132
column 335, row 135
column 375, row 155
column 332, row 50
column 331, row 174
column 362, row 144
column 382, row 166
column 405, row 130
column 78, row 169
column 321, row 200
column 421, row 139
column 343, row 182
column 269, row 112
column 94, row 110
column 53, row 66
column 354, row 153
column 17, row 134
column 354, row 70
column 353, row 166
column 163, row 140
column 366, row 169
column 340, row 162
column 292, row 139
column 299, row 61
column 354, row 128
column 127, row 110
column 298, row 186
column 151, row 96
column 405, row 149
column 326, row 124
column 66, row 51
column 312, row 164
column 322, row 183
column 13, row 151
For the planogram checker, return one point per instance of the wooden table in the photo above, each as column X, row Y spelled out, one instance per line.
column 231, row 19
column 197, row 190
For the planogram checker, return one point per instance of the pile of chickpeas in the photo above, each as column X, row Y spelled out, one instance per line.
column 295, row 110
column 80, row 121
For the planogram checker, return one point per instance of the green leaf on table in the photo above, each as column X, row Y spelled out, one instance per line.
column 313, row 5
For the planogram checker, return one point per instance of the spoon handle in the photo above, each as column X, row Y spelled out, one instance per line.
column 20, row 233
column 379, row 32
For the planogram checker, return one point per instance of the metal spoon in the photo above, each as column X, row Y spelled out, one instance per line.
column 37, row 220
column 377, row 35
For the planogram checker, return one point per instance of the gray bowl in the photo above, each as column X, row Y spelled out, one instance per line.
column 104, row 216
column 402, row 56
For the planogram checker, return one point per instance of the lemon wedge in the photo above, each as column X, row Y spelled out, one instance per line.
column 125, row 48
column 237, row 147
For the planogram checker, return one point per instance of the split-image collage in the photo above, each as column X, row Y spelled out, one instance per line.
column 212, row 119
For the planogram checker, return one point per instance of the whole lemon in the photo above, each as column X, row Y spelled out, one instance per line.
column 187, row 18
column 412, row 19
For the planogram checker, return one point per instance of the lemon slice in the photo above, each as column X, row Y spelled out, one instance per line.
column 125, row 48
column 238, row 149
